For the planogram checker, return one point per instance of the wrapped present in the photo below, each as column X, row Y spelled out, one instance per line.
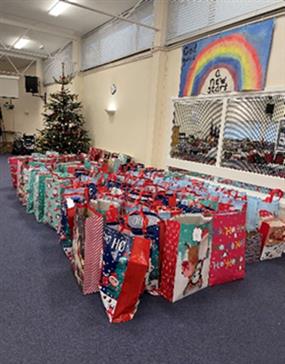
column 273, row 238
column 125, row 264
column 253, row 247
column 228, row 247
column 185, row 255
column 87, row 246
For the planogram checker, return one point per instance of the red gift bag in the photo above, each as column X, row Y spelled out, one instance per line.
column 13, row 169
column 125, row 264
column 273, row 238
column 228, row 247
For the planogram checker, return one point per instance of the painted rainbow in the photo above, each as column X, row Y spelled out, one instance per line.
column 232, row 52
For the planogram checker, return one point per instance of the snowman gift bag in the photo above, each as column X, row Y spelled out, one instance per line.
column 185, row 255
column 125, row 264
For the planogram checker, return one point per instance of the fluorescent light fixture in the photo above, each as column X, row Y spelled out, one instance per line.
column 21, row 43
column 58, row 8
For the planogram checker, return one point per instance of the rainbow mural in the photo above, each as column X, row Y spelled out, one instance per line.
column 242, row 52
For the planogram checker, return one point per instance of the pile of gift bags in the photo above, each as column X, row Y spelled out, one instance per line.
column 127, row 229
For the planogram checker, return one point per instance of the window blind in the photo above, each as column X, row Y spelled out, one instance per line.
column 52, row 67
column 189, row 17
column 117, row 39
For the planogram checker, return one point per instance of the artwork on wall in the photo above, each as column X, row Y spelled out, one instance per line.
column 254, row 135
column 196, row 131
column 235, row 60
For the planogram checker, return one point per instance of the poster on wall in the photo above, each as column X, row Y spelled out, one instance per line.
column 235, row 60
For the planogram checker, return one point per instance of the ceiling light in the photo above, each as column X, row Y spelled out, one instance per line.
column 21, row 43
column 58, row 8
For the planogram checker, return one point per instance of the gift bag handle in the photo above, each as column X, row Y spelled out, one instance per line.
column 276, row 192
column 142, row 215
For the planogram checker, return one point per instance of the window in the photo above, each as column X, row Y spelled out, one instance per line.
column 52, row 67
column 118, row 39
column 191, row 17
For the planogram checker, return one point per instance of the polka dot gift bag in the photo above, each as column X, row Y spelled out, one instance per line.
column 228, row 247
column 185, row 256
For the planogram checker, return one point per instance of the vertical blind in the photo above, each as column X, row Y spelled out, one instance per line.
column 52, row 66
column 117, row 39
column 189, row 17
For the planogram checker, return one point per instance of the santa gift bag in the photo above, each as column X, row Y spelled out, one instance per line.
column 273, row 239
column 125, row 264
column 87, row 246
column 228, row 247
column 185, row 255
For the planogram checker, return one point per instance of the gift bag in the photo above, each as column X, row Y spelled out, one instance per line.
column 253, row 247
column 39, row 195
column 54, row 189
column 22, row 178
column 87, row 248
column 185, row 255
column 13, row 170
column 256, row 204
column 30, row 188
column 125, row 264
column 151, row 231
column 273, row 239
column 228, row 247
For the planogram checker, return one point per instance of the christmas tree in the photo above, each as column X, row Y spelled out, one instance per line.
column 63, row 122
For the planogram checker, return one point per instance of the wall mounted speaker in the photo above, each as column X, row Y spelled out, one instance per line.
column 32, row 84
column 269, row 109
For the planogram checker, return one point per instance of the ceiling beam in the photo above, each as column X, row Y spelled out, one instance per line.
column 21, row 54
column 58, row 33
column 114, row 16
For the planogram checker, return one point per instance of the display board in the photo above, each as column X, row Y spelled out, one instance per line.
column 235, row 60
column 237, row 137
column 9, row 86
column 250, row 136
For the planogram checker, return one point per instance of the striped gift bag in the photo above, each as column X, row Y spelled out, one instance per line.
column 93, row 253
column 87, row 246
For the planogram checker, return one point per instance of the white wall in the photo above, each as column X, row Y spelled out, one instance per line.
column 125, row 131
